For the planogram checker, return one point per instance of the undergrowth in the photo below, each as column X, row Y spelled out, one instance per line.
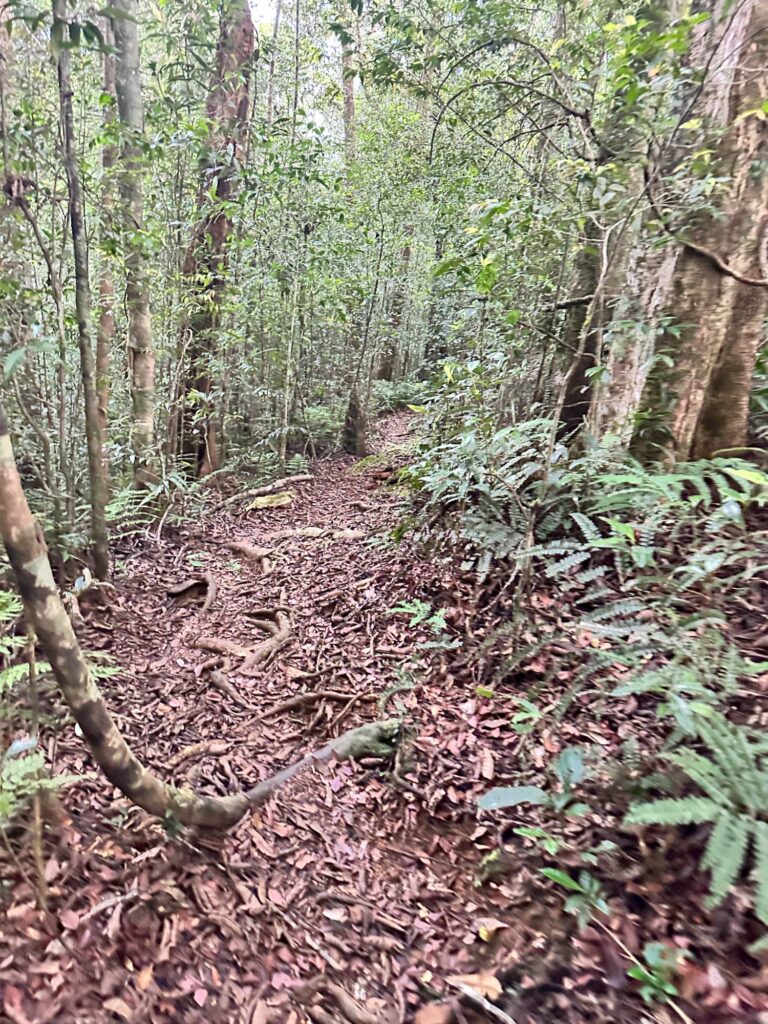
column 643, row 567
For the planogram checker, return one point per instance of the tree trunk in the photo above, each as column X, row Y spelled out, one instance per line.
column 348, row 101
column 105, row 331
column 692, row 301
column 94, row 441
column 205, row 262
column 141, row 353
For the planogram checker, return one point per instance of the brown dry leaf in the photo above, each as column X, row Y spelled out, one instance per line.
column 12, row 1004
column 434, row 1013
column 144, row 978
column 260, row 1013
column 485, row 983
column 119, row 1007
column 487, row 765
column 69, row 920
column 488, row 926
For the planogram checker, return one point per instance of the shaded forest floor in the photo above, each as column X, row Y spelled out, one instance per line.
column 358, row 892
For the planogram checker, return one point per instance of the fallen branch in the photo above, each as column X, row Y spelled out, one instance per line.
column 221, row 646
column 301, row 699
column 260, row 492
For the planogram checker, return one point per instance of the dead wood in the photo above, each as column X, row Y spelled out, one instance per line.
column 377, row 739
column 301, row 699
column 260, row 492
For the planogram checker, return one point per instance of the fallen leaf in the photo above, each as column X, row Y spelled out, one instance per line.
column 336, row 914
column 200, row 995
column 69, row 920
column 434, row 1013
column 260, row 1013
column 488, row 926
column 119, row 1006
column 486, row 983
column 144, row 978
column 12, row 1004
column 272, row 500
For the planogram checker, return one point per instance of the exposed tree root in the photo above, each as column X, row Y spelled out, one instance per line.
column 214, row 747
column 301, row 699
column 211, row 593
column 273, row 621
column 260, row 492
column 349, row 1008
column 252, row 553
column 280, row 635
column 220, row 681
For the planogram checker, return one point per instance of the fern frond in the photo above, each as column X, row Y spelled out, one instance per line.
column 689, row 810
column 725, row 853
column 760, row 837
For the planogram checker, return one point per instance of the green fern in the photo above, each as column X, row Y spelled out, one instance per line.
column 736, row 805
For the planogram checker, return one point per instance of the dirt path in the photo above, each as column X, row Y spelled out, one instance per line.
column 343, row 876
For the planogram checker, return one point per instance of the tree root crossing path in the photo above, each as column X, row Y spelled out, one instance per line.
column 253, row 637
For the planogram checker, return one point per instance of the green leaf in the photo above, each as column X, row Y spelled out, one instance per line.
column 725, row 853
column 511, row 796
column 562, row 878
column 12, row 361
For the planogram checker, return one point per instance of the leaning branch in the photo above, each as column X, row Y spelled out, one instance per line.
column 47, row 616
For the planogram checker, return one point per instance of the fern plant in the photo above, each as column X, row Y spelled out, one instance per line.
column 732, row 798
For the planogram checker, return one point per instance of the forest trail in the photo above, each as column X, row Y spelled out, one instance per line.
column 344, row 876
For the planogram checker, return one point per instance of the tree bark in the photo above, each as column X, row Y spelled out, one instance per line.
column 93, row 434
column 141, row 353
column 205, row 262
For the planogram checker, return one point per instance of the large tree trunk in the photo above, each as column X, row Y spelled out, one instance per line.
column 702, row 300
column 93, row 433
column 205, row 262
column 141, row 353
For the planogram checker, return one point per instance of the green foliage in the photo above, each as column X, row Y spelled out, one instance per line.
column 569, row 768
column 656, row 975
column 734, row 783
column 586, row 894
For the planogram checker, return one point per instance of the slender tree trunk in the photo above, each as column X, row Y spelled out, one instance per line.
column 141, row 353
column 105, row 331
column 206, row 259
column 348, row 105
column 94, row 442
column 272, row 64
